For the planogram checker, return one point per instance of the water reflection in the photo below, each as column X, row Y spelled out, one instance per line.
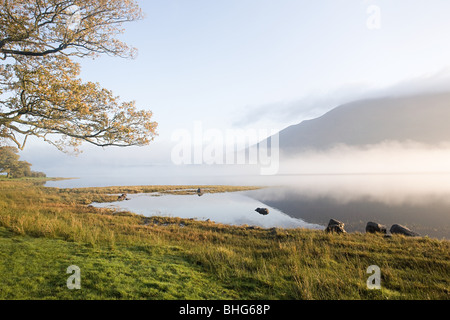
column 421, row 202
column 418, row 201
column 234, row 208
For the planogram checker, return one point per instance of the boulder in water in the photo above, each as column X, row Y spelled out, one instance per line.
column 262, row 211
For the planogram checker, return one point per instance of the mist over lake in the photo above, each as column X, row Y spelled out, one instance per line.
column 418, row 201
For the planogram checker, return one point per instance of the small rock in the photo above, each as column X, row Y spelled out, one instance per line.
column 122, row 197
column 335, row 226
column 262, row 211
column 373, row 227
column 399, row 229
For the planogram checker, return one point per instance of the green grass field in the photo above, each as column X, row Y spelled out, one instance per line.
column 121, row 255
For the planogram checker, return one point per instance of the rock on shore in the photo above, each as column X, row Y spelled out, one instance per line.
column 335, row 226
column 399, row 229
column 373, row 227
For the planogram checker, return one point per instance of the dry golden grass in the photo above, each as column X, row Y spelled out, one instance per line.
column 232, row 261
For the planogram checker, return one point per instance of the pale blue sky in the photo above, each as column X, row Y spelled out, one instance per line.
column 208, row 60
column 268, row 63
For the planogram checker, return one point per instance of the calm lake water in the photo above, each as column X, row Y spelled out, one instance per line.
column 234, row 208
column 420, row 202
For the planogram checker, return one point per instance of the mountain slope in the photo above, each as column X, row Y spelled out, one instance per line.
column 421, row 118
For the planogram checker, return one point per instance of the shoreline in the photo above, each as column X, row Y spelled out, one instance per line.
column 37, row 179
column 191, row 190
column 45, row 230
column 108, row 194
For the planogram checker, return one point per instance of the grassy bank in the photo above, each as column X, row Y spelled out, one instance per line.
column 126, row 256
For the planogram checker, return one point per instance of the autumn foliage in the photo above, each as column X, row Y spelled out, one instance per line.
column 41, row 93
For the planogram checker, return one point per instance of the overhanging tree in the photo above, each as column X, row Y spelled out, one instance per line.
column 41, row 93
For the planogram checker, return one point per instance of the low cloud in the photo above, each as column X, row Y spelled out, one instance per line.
column 389, row 157
column 282, row 114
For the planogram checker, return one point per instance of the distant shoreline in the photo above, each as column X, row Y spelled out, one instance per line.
column 3, row 178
